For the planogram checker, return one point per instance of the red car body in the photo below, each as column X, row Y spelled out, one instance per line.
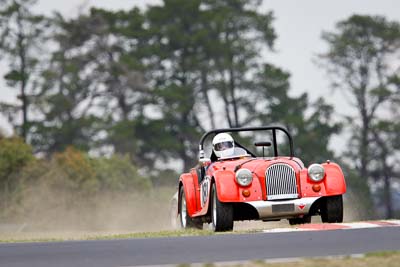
column 281, row 188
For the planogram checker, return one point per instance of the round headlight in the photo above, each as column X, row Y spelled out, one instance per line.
column 244, row 177
column 316, row 172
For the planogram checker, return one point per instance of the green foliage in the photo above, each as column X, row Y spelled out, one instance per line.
column 118, row 174
column 237, row 39
column 74, row 170
column 176, row 27
column 313, row 132
column 72, row 185
column 90, row 95
column 77, row 173
column 15, row 155
column 205, row 57
column 311, row 124
column 15, row 76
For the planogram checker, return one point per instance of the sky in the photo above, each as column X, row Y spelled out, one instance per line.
column 298, row 24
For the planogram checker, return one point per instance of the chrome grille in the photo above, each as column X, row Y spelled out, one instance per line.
column 280, row 180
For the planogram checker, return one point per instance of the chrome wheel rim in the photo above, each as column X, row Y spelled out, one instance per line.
column 214, row 210
column 183, row 211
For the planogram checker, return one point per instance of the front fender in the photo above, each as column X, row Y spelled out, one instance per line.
column 227, row 188
column 334, row 179
column 229, row 191
column 186, row 181
column 333, row 184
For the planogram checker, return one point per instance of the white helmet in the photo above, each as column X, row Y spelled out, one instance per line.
column 223, row 145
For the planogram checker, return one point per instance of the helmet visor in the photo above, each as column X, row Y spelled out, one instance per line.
column 223, row 145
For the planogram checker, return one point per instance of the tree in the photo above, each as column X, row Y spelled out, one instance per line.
column 94, row 87
column 359, row 61
column 22, row 37
column 14, row 156
column 238, row 32
column 207, row 69
column 202, row 52
column 64, row 99
column 177, row 30
column 117, row 61
column 311, row 124
column 118, row 174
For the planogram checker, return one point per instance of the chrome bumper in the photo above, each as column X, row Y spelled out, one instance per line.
column 284, row 208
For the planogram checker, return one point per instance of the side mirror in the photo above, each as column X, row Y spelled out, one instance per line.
column 265, row 143
column 205, row 162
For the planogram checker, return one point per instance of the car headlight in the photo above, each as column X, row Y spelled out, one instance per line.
column 244, row 177
column 316, row 172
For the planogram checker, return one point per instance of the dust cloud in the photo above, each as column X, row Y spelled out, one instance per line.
column 354, row 209
column 51, row 210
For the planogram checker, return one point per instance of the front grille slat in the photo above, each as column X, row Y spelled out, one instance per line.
column 281, row 183
column 276, row 182
column 286, row 183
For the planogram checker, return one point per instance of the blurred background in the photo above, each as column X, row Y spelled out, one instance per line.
column 102, row 103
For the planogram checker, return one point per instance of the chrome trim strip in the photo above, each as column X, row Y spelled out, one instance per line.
column 301, row 206
column 282, row 196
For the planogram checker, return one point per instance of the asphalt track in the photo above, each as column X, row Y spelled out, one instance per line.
column 204, row 249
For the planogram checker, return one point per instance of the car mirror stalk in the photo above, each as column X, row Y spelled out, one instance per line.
column 205, row 162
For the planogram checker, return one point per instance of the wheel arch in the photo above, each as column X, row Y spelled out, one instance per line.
column 186, row 182
column 334, row 181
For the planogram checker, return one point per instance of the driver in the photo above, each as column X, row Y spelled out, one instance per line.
column 223, row 145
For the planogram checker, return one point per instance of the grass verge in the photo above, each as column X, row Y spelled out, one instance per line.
column 76, row 236
column 381, row 259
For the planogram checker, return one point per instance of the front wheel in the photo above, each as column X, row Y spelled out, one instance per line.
column 332, row 210
column 221, row 213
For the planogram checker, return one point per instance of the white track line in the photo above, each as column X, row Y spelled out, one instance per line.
column 340, row 226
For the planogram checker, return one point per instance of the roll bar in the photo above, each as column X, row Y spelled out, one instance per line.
column 249, row 129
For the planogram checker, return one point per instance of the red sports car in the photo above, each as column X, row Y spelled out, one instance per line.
column 234, row 183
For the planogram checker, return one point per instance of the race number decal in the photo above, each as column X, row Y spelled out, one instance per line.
column 205, row 189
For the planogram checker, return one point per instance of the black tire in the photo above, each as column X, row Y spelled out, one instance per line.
column 185, row 221
column 221, row 213
column 306, row 219
column 332, row 210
